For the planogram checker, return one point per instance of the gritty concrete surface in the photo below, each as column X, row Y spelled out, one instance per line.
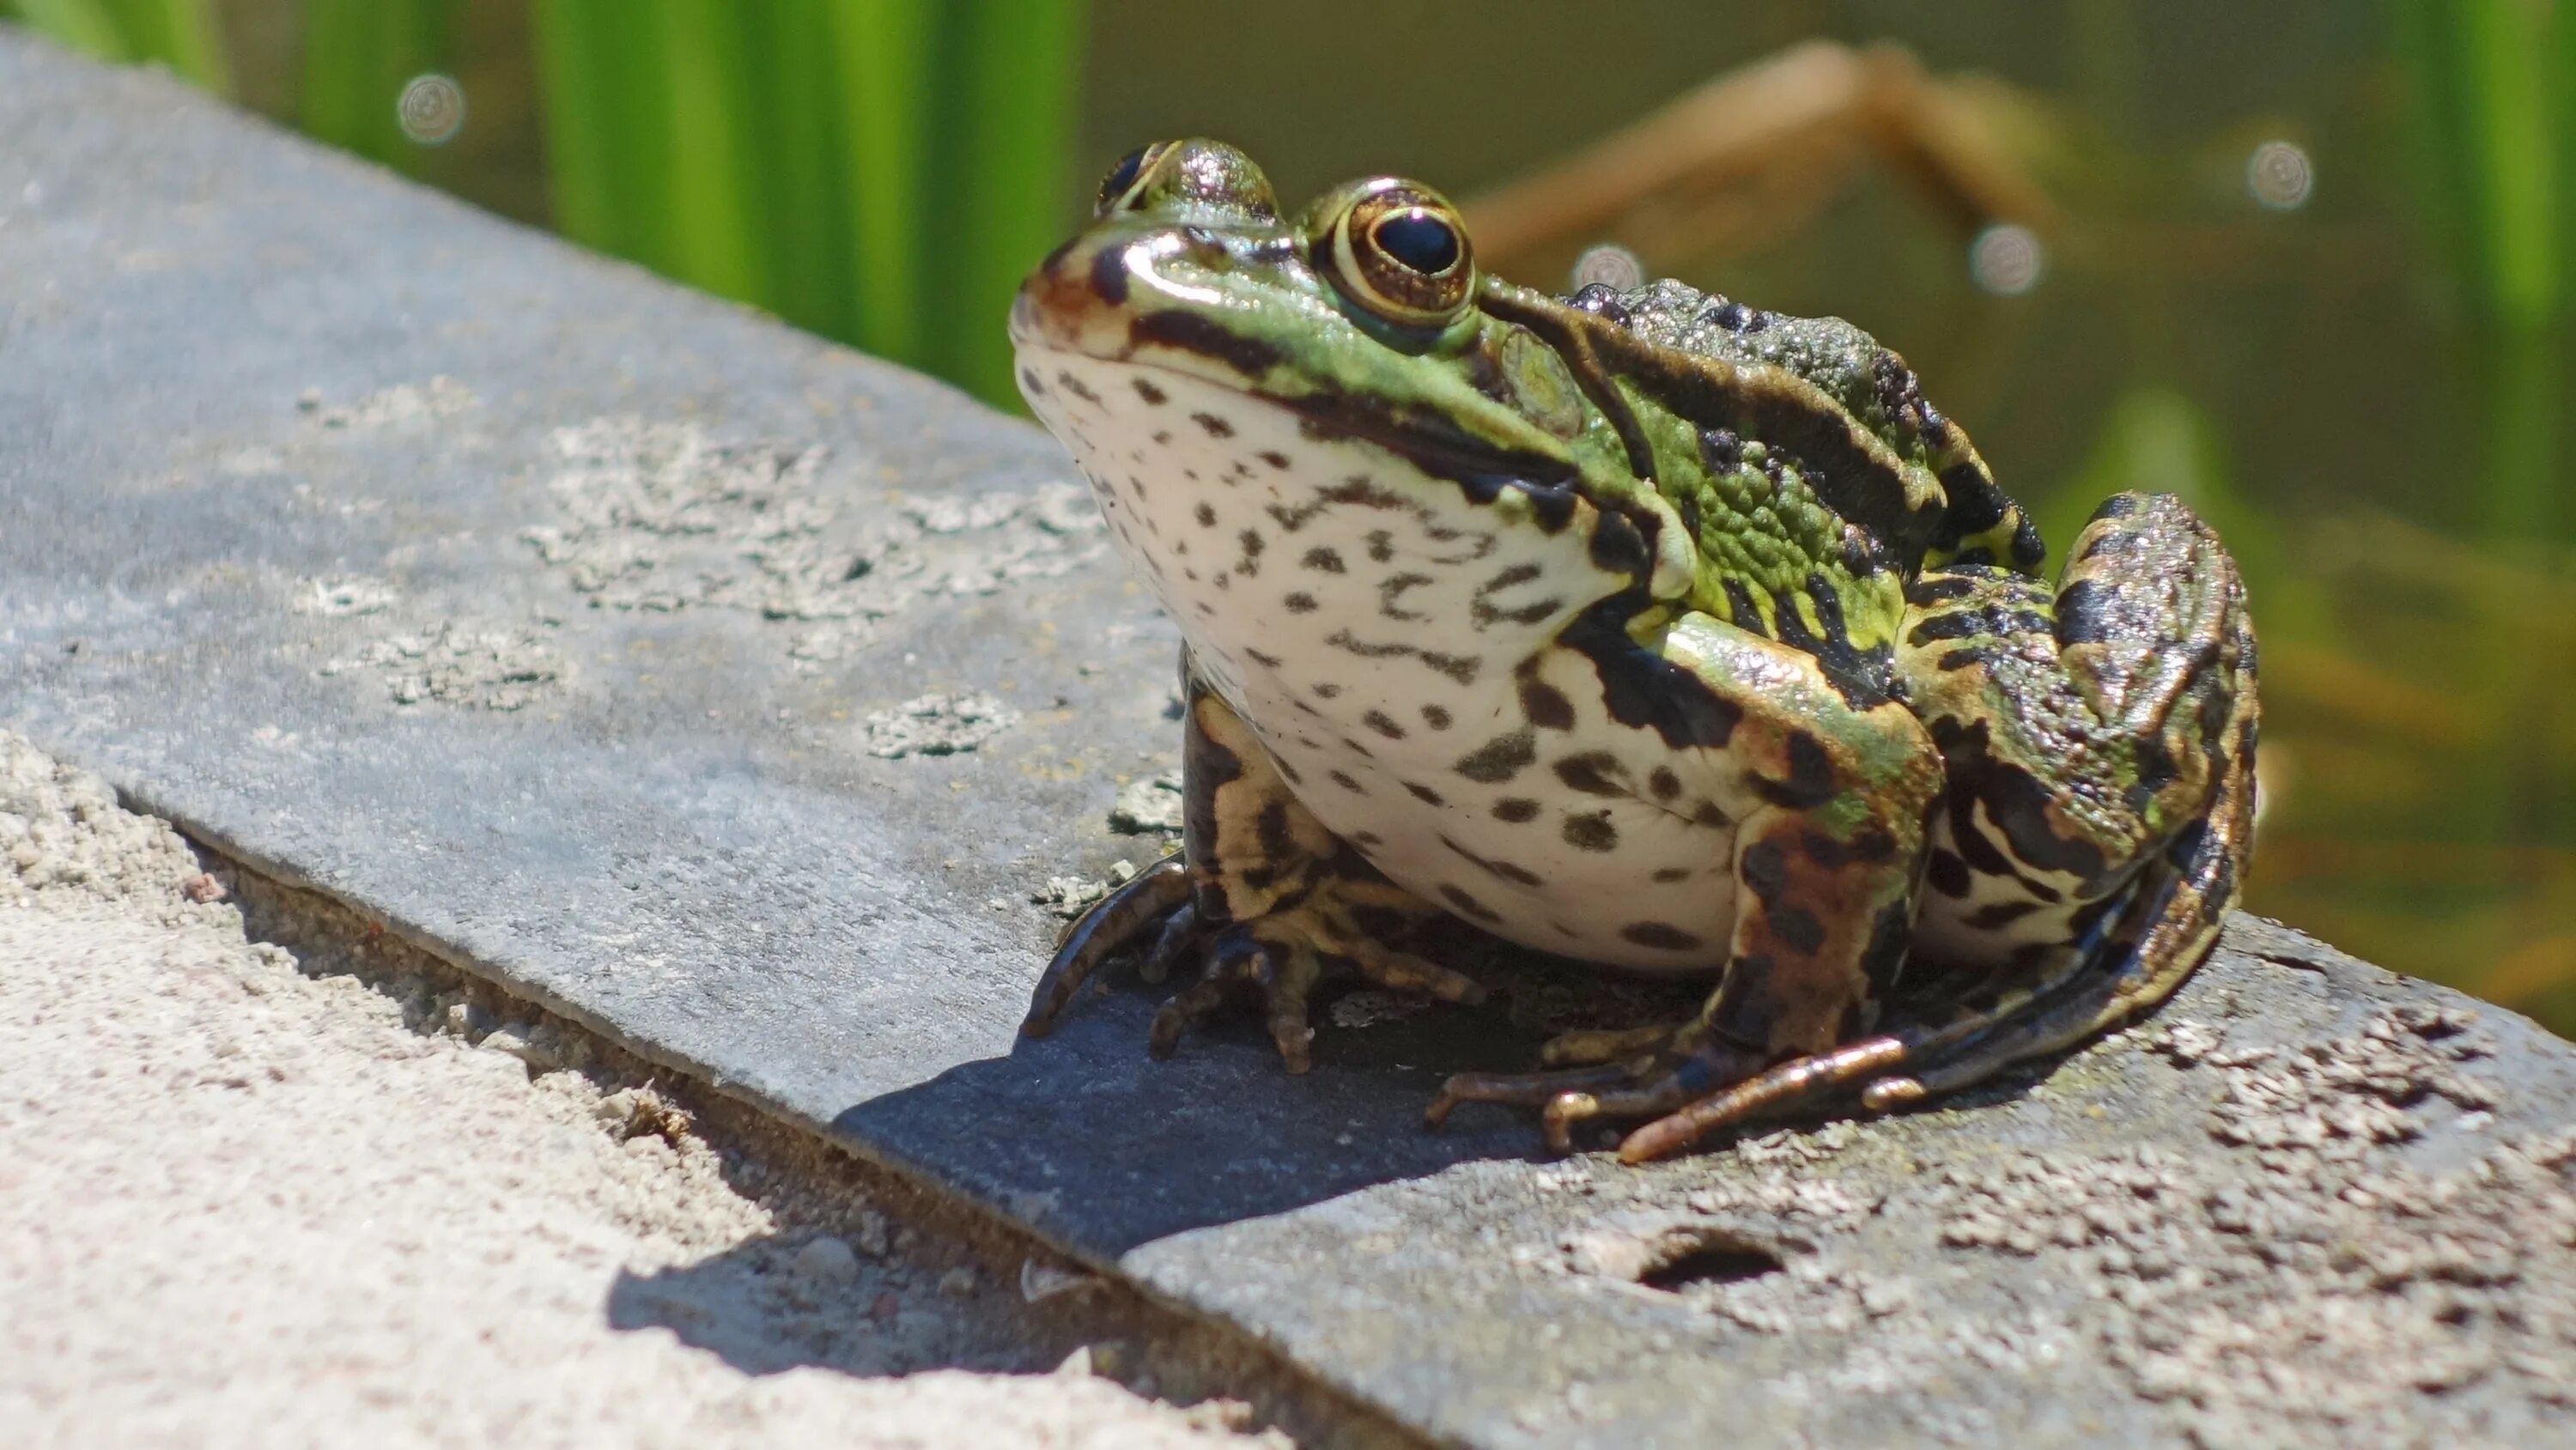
column 759, row 710
column 241, row 1204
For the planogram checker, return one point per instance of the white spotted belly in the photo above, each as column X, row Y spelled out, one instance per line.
column 1394, row 643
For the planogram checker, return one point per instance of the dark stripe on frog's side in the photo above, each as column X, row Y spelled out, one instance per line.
column 1865, row 678
column 1851, row 471
column 1640, row 688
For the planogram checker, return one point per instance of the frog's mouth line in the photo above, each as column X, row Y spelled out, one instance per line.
column 1432, row 445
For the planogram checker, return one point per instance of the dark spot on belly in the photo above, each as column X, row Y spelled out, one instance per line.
column 1467, row 905
column 1073, row 385
column 1381, row 545
column 1595, row 772
column 1356, row 748
column 1029, row 380
column 1667, row 875
column 1797, row 927
column 1948, row 874
column 1435, row 717
column 1425, row 794
column 1515, row 809
column 1151, row 394
column 1367, row 838
column 1383, row 724
column 1663, row 783
column 1324, row 561
column 1590, row 832
column 1346, row 783
column 1266, row 661
column 1462, row 668
column 1327, row 690
column 1393, row 587
column 1499, row 759
column 1205, row 515
column 1212, row 425
column 1274, row 458
column 1162, row 436
column 1661, row 935
column 1251, row 542
column 1299, row 603
column 1546, row 706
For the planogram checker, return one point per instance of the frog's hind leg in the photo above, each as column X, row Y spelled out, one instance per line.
column 2100, row 747
column 1267, row 899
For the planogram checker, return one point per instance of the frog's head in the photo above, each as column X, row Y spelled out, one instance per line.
column 1359, row 321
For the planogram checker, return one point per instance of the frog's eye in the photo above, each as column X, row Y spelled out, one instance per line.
column 1193, row 175
column 1124, row 179
column 1399, row 251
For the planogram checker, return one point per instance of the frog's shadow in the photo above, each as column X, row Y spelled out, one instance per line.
column 1086, row 1135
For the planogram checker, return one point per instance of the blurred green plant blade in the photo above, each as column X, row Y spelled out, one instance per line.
column 707, row 218
column 358, row 56
column 605, row 126
column 181, row 34
column 84, row 25
column 797, row 137
column 882, row 53
column 1006, row 122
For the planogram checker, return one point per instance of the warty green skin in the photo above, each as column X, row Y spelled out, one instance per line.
column 1645, row 628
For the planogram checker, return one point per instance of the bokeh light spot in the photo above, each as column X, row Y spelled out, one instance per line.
column 2007, row 260
column 2278, row 176
column 1612, row 266
column 432, row 109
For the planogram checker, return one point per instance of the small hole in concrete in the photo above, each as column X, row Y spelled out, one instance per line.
column 1709, row 1258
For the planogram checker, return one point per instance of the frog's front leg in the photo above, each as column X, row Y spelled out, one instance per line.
column 1835, row 781
column 1271, row 902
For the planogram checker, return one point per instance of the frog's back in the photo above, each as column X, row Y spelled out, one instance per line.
column 1861, row 382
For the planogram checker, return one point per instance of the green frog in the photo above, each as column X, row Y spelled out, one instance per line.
column 1645, row 628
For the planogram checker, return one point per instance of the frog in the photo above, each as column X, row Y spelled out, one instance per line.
column 1659, row 633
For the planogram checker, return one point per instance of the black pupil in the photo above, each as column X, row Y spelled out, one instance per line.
column 1424, row 243
column 1121, row 177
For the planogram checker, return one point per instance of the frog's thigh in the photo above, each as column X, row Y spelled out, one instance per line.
column 2082, row 727
column 1826, row 861
column 1252, row 846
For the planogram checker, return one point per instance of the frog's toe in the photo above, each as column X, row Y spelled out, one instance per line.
column 1688, row 1117
column 1528, row 1089
column 1108, row 928
column 1283, row 973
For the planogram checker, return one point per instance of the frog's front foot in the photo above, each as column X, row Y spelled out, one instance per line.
column 1282, row 957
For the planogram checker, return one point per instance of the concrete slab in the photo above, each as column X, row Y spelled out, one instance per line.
column 735, row 695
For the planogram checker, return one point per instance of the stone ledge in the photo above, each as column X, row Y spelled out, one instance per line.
column 733, row 695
